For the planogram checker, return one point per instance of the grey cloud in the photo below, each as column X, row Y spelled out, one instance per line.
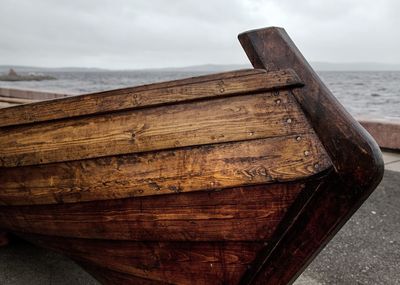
column 138, row 34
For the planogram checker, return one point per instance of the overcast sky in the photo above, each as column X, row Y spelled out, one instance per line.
column 130, row 34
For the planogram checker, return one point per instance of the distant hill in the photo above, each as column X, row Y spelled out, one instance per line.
column 355, row 66
column 195, row 68
column 208, row 67
column 211, row 68
column 21, row 68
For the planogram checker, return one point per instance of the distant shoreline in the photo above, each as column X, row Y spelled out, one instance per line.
column 14, row 76
column 318, row 66
column 26, row 78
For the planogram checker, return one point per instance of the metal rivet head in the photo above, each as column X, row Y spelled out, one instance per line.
column 278, row 101
column 251, row 133
column 316, row 166
column 289, row 121
column 306, row 153
column 298, row 138
column 222, row 90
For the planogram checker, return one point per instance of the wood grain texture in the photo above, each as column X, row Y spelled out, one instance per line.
column 238, row 214
column 357, row 161
column 188, row 124
column 110, row 277
column 159, row 262
column 272, row 49
column 173, row 171
column 216, row 85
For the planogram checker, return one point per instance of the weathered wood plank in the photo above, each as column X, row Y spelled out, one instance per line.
column 238, row 214
column 188, row 124
column 182, row 170
column 216, row 85
column 166, row 262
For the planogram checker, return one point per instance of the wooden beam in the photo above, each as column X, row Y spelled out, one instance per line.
column 173, row 171
column 237, row 214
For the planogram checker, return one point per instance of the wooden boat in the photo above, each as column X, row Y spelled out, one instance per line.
column 238, row 177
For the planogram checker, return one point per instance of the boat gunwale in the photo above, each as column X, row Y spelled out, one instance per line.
column 99, row 98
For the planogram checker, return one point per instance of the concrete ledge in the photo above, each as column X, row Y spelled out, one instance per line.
column 30, row 94
column 386, row 132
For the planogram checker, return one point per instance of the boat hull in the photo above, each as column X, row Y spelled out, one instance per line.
column 233, row 178
column 191, row 238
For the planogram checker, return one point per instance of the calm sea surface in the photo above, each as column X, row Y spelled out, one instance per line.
column 372, row 94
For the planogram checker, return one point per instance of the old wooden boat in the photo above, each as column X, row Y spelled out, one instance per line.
column 238, row 177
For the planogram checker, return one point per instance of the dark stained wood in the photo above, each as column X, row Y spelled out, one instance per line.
column 110, row 277
column 181, row 170
column 272, row 49
column 355, row 155
column 169, row 262
column 4, row 238
column 216, row 85
column 238, row 214
column 189, row 124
